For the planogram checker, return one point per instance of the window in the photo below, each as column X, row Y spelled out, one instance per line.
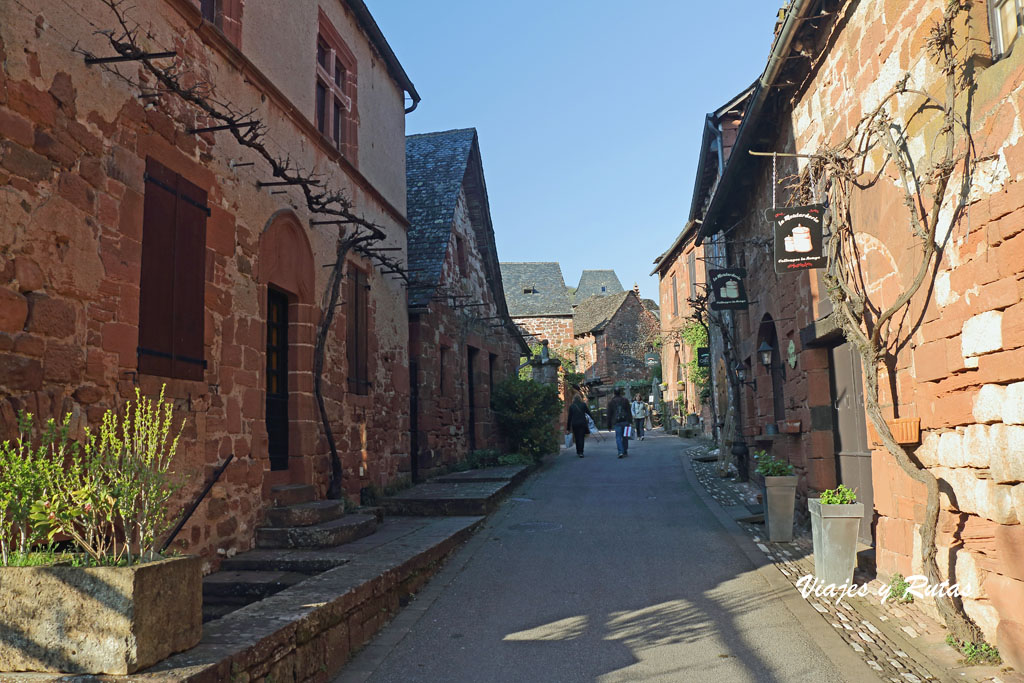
column 335, row 90
column 692, row 264
column 358, row 331
column 225, row 15
column 675, row 296
column 1004, row 21
column 173, row 276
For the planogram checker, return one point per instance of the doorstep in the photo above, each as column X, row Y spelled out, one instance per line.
column 474, row 492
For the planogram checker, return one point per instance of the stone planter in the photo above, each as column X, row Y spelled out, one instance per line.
column 110, row 620
column 780, row 499
column 834, row 529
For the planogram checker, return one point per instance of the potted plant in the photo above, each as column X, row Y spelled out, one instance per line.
column 84, row 590
column 835, row 519
column 780, row 496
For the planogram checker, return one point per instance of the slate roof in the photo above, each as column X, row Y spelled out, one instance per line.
column 591, row 282
column 652, row 306
column 435, row 165
column 591, row 315
column 547, row 294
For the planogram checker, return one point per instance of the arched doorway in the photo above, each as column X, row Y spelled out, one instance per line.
column 286, row 277
column 766, row 334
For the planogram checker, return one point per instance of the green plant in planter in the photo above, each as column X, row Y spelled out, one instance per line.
column 770, row 466
column 841, row 495
column 109, row 495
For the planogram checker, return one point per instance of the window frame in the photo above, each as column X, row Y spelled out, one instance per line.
column 336, row 74
column 995, row 24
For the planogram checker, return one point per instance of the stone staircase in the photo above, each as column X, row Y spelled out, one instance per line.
column 295, row 544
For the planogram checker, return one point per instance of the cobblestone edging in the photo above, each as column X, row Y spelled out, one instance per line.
column 886, row 637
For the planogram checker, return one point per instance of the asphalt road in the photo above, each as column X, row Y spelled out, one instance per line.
column 601, row 569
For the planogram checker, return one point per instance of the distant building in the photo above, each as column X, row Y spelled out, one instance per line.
column 538, row 302
column 461, row 338
column 596, row 283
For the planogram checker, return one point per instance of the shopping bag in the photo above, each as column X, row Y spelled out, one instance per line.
column 591, row 425
column 568, row 440
column 627, row 431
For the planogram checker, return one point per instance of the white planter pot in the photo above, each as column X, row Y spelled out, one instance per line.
column 780, row 499
column 834, row 529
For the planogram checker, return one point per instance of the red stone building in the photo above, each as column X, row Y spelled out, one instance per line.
column 612, row 335
column 462, row 340
column 957, row 371
column 680, row 271
column 136, row 251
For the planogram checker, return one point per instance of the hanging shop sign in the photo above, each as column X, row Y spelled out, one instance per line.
column 798, row 238
column 703, row 357
column 652, row 360
column 728, row 290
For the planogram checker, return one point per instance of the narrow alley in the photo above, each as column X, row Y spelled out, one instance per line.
column 611, row 570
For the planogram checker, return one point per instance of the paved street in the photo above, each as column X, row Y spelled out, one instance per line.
column 611, row 570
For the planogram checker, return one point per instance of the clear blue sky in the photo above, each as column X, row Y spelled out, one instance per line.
column 589, row 112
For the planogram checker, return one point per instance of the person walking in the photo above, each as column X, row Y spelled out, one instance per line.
column 620, row 417
column 577, row 423
column 639, row 411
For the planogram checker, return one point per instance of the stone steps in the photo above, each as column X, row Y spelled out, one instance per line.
column 436, row 498
column 305, row 514
column 284, row 560
column 326, row 534
column 292, row 494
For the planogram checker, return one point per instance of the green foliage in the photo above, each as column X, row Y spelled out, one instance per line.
column 526, row 412
column 25, row 469
column 898, row 589
column 695, row 335
column 841, row 495
column 975, row 653
column 109, row 495
column 770, row 466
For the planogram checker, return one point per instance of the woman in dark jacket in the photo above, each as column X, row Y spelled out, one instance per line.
column 577, row 423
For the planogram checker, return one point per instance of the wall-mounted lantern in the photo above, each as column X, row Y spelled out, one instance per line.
column 765, row 353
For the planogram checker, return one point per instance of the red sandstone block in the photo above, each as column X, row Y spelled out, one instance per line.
column 15, row 127
column 821, row 473
column 930, row 361
column 1001, row 367
column 220, row 231
column 999, row 294
column 35, row 105
column 123, row 340
column 52, row 317
column 1006, row 595
column 1013, row 326
column 1009, row 257
column 1009, row 542
column 13, row 310
column 1010, row 640
column 62, row 363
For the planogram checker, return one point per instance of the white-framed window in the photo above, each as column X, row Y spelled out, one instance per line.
column 1004, row 21
column 335, row 108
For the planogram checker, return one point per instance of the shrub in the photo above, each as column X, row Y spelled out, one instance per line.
column 899, row 589
column 526, row 412
column 841, row 495
column 770, row 466
column 109, row 495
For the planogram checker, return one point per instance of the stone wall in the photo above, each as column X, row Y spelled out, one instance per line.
column 556, row 329
column 674, row 293
column 75, row 145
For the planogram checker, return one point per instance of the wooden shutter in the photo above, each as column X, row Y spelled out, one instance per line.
column 189, row 281
column 356, row 338
column 173, row 277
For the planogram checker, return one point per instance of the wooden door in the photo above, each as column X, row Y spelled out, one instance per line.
column 277, row 379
